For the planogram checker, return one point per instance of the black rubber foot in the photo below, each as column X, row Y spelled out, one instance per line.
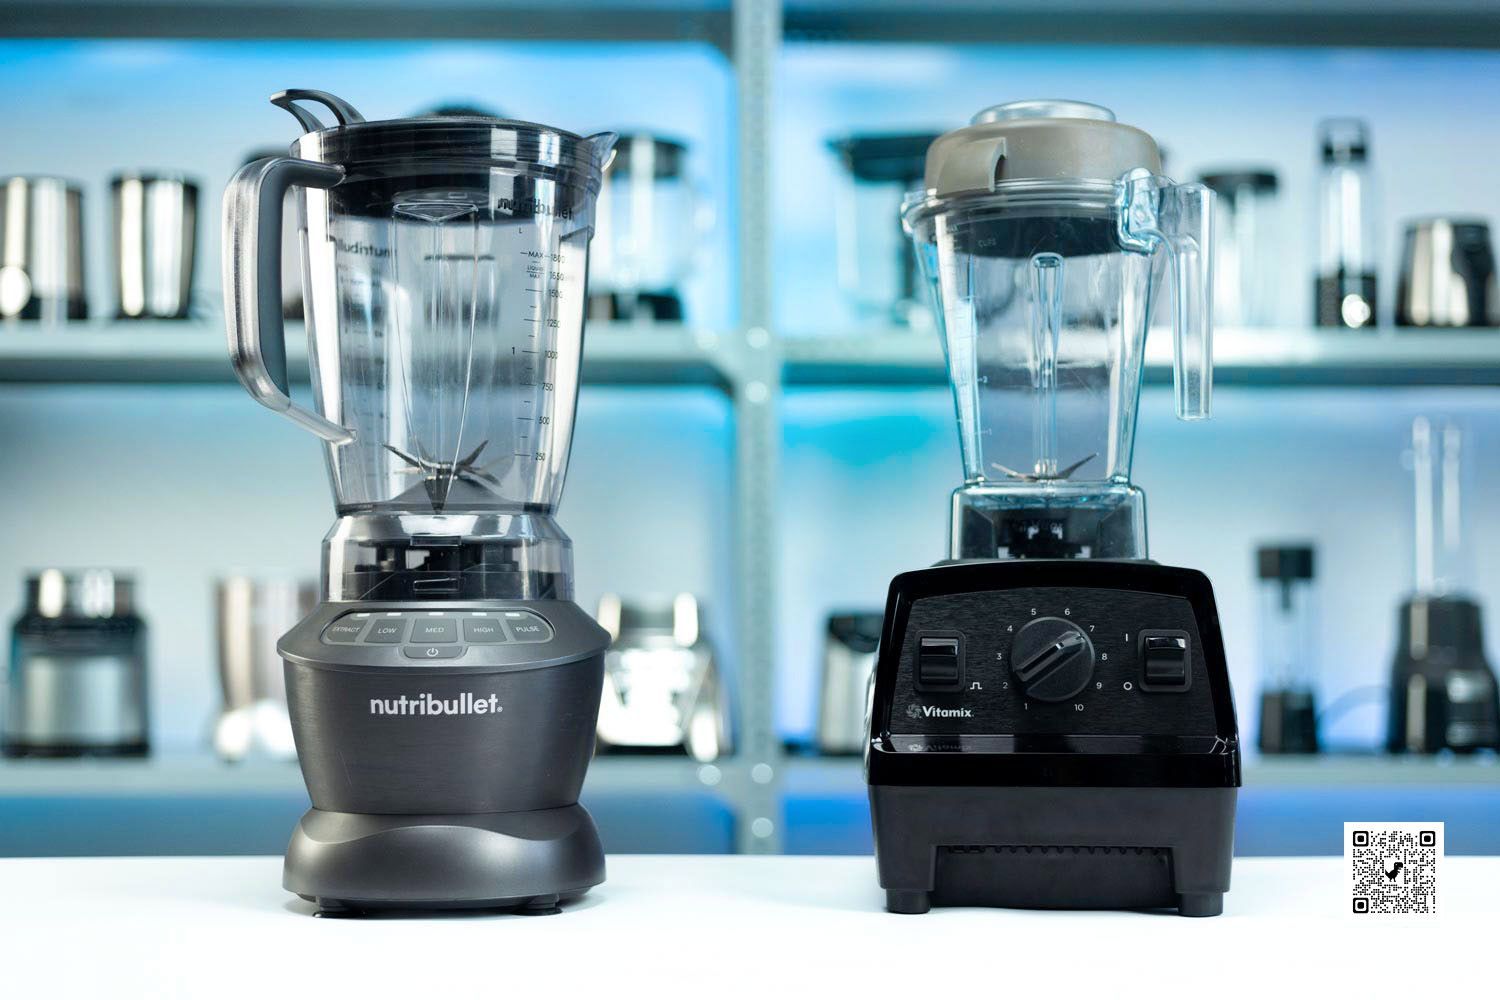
column 1200, row 904
column 901, row 901
column 541, row 906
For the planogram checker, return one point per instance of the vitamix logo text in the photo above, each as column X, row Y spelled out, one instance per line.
column 425, row 704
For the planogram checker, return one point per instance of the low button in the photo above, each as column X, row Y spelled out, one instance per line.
column 344, row 630
column 391, row 630
column 427, row 630
column 433, row 652
column 484, row 630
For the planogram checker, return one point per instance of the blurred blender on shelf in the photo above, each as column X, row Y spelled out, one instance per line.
column 1345, row 293
column 663, row 692
column 877, row 267
column 849, row 645
column 642, row 251
column 1246, row 237
column 1443, row 693
column 77, row 681
column 1288, row 650
column 41, row 250
column 1447, row 275
column 155, row 242
column 251, row 615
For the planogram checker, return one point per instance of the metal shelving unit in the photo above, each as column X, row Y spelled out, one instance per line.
column 751, row 364
column 1267, row 358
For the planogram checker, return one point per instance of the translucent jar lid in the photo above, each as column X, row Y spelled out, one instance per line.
column 438, row 140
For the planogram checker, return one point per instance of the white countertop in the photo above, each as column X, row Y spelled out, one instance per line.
column 695, row 927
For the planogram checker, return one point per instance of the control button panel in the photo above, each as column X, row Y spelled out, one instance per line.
column 1050, row 661
column 940, row 662
column 1166, row 661
column 438, row 634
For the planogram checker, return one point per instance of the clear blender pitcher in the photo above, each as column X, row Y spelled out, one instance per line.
column 444, row 265
column 1045, row 235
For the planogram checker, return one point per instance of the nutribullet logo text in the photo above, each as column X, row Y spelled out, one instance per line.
column 466, row 703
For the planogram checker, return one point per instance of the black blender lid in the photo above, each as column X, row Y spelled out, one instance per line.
column 447, row 138
column 1284, row 562
column 885, row 157
column 1344, row 140
column 1228, row 180
column 667, row 155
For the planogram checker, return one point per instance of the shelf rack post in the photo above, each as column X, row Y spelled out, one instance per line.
column 757, row 395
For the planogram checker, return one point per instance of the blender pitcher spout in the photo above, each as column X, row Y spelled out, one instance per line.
column 603, row 144
column 1178, row 219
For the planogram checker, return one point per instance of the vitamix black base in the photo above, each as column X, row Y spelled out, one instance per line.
column 1053, row 734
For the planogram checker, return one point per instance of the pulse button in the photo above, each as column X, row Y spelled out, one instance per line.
column 1166, row 661
column 940, row 663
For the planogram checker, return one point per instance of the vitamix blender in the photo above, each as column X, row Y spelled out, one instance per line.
column 1052, row 723
column 444, row 693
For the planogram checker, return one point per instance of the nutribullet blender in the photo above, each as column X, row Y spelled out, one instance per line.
column 443, row 694
column 1052, row 723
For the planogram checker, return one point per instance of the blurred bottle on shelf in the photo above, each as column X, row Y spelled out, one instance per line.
column 41, row 250
column 1288, row 649
column 648, row 230
column 1447, row 275
column 1346, row 285
column 77, row 680
column 877, row 268
column 849, row 645
column 663, row 691
column 1246, row 239
column 154, row 232
column 1443, row 694
column 251, row 616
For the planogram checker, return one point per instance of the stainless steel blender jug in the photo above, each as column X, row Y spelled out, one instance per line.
column 1051, row 724
column 443, row 695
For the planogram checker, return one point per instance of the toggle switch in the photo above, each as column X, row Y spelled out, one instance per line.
column 940, row 663
column 1165, row 661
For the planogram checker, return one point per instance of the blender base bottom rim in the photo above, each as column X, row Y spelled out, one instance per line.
column 528, row 861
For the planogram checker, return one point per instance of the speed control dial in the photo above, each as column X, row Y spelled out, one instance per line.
column 1052, row 658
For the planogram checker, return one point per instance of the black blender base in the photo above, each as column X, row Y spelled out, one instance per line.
column 1054, row 848
column 528, row 862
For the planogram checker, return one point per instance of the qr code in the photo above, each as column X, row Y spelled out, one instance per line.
column 1393, row 867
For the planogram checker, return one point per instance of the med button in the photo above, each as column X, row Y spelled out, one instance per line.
column 434, row 630
column 1166, row 661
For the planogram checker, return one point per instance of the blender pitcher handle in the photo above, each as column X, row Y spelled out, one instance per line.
column 252, row 283
column 1179, row 219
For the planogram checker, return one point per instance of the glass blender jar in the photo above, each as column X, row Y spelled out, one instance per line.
column 444, row 280
column 642, row 252
column 1039, row 235
column 1288, row 643
column 878, row 273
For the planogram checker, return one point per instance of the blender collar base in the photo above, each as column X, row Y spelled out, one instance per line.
column 526, row 861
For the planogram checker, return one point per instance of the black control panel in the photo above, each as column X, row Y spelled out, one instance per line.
column 1051, row 660
column 423, row 634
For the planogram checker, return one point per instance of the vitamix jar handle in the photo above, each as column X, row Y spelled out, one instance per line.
column 1178, row 218
column 252, row 282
